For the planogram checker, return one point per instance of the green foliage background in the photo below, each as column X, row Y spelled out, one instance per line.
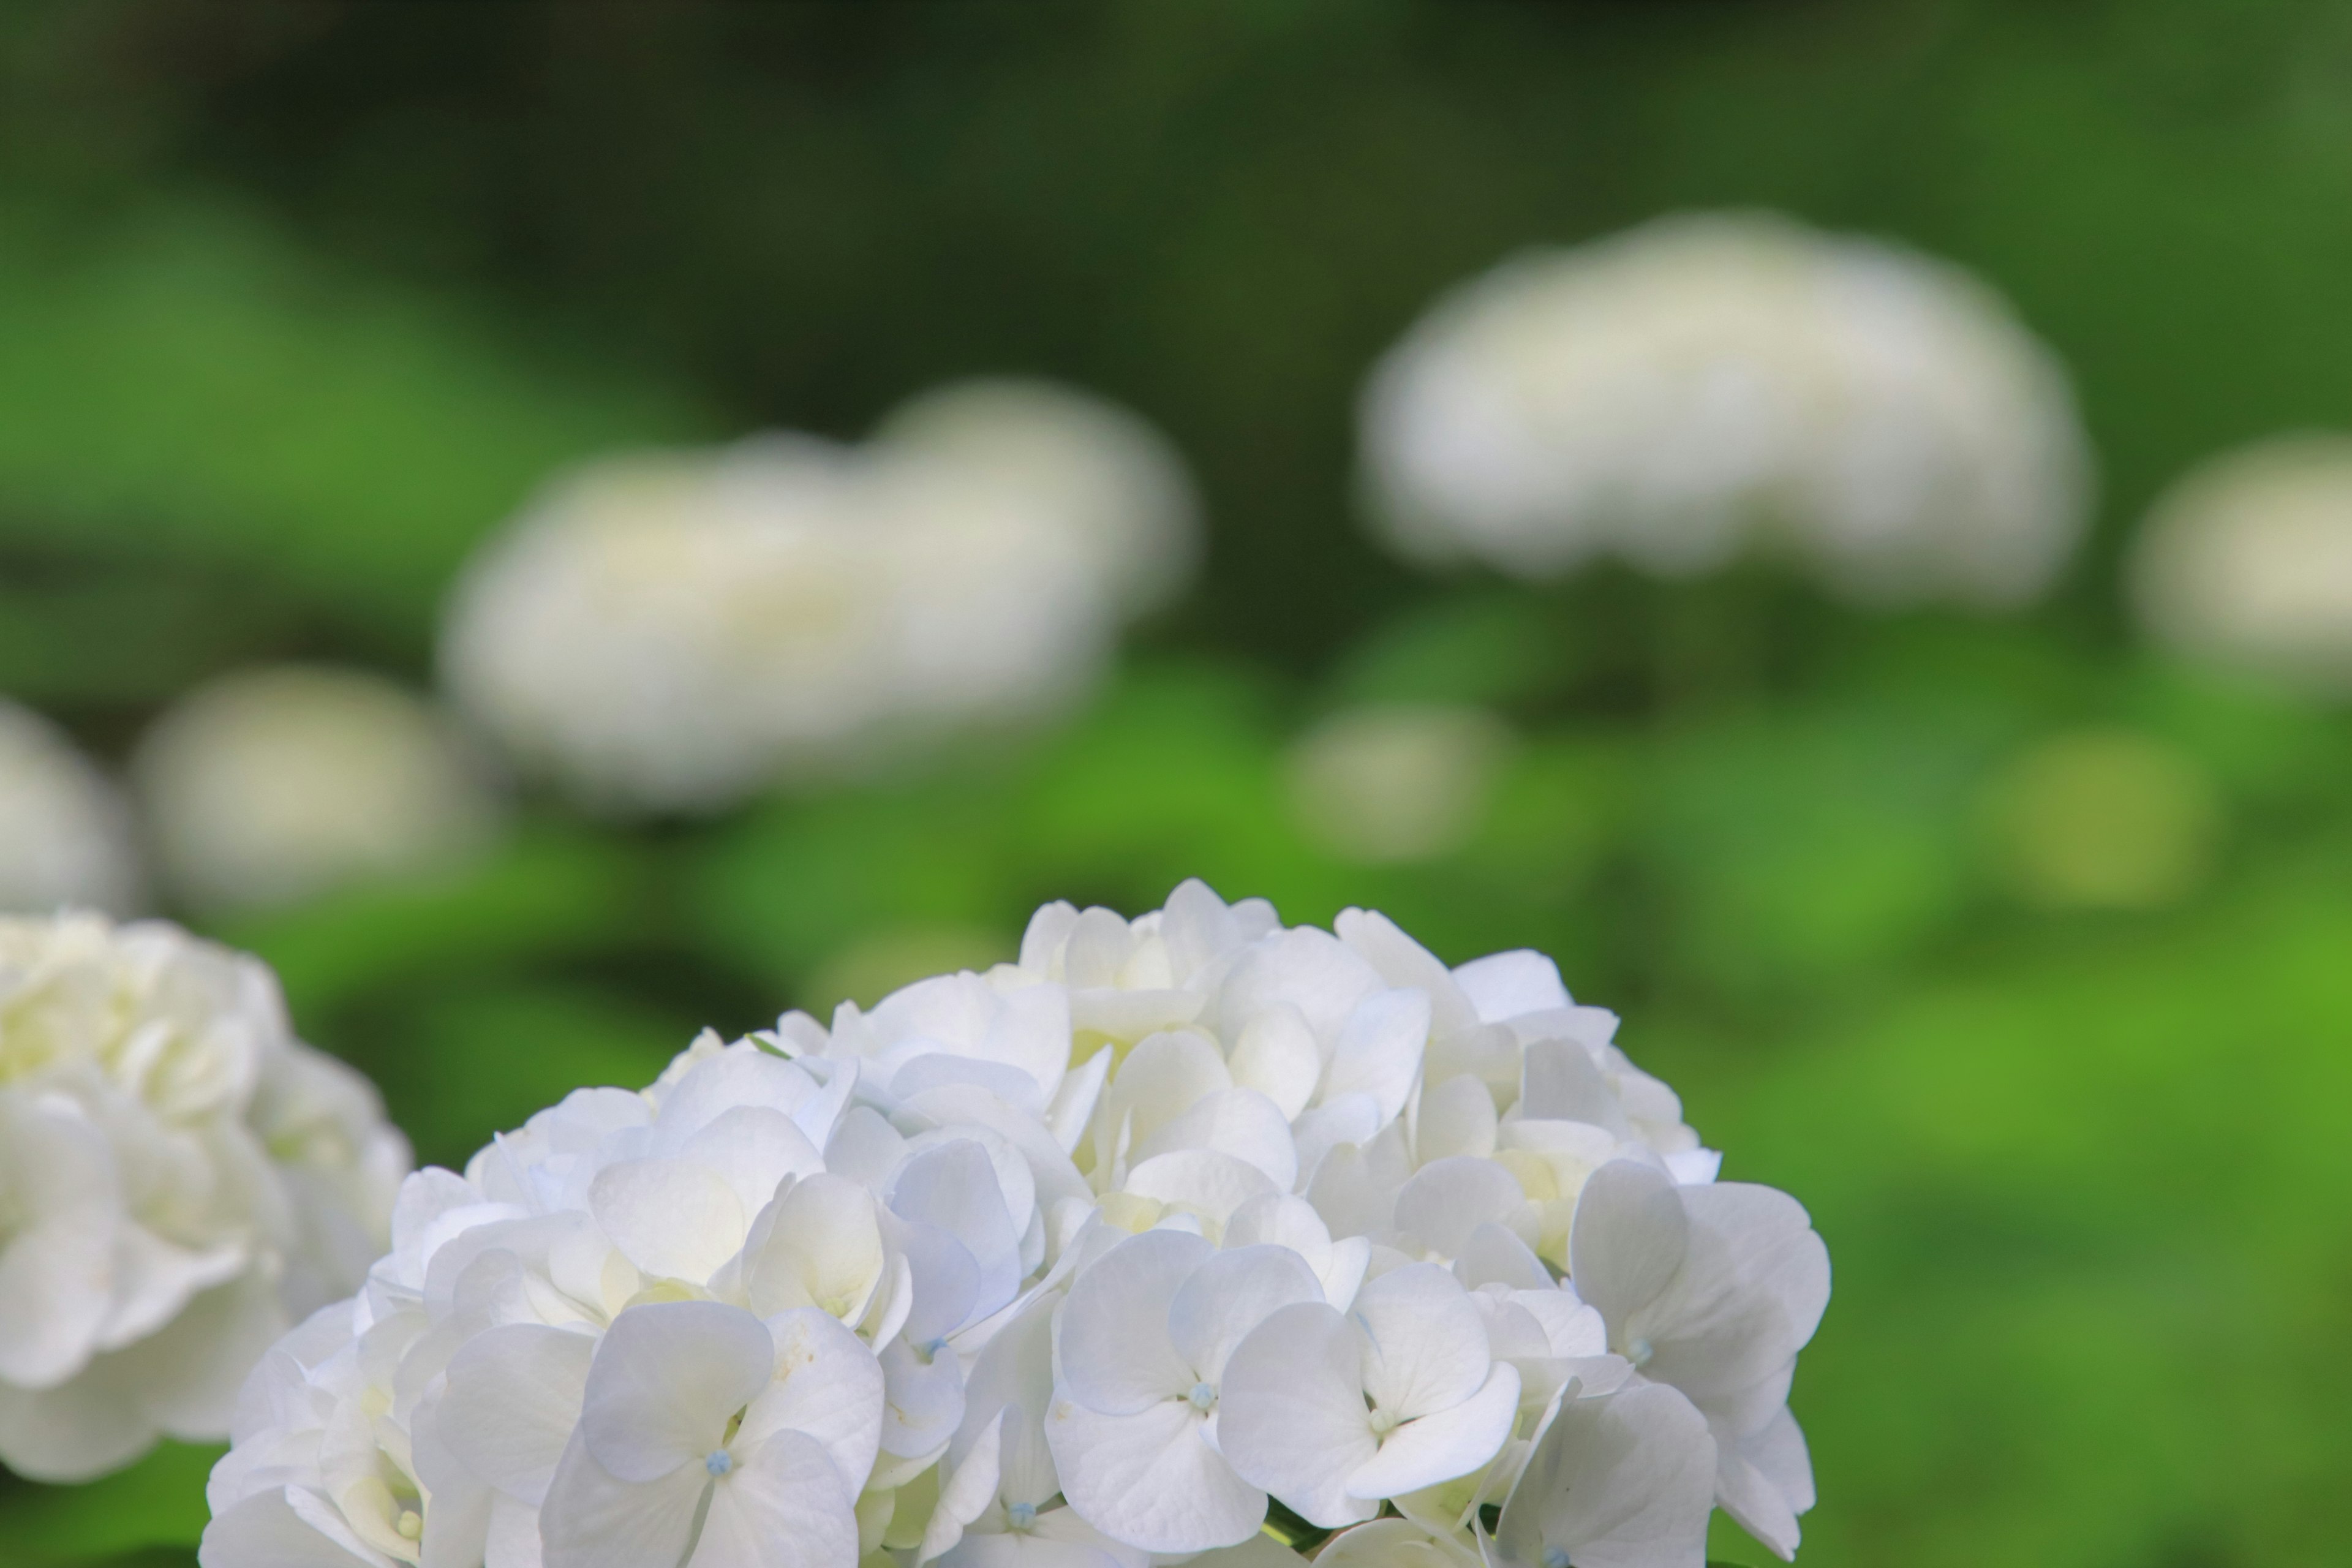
column 296, row 302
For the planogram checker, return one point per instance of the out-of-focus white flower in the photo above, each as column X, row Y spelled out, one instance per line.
column 2247, row 563
column 270, row 786
column 2103, row 819
column 1704, row 384
column 670, row 630
column 1118, row 486
column 64, row 837
column 678, row 630
column 1396, row 782
column 179, row 1179
column 1067, row 1265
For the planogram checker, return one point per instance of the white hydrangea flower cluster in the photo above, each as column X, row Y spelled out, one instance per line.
column 65, row 833
column 1075, row 1264
column 1710, row 384
column 270, row 786
column 180, row 1180
column 675, row 631
column 2247, row 563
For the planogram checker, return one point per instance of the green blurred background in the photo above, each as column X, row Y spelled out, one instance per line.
column 297, row 302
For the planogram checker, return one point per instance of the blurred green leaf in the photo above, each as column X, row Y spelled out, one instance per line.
column 189, row 378
column 158, row 1502
column 547, row 891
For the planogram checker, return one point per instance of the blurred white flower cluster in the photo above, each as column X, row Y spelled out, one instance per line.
column 1073, row 1264
column 1396, row 782
column 1710, row 384
column 675, row 631
column 2247, row 563
column 65, row 834
column 180, row 1180
column 271, row 785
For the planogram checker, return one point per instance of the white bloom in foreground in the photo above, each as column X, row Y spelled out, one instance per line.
column 765, row 1432
column 64, row 837
column 1712, row 1290
column 1335, row 1413
column 179, row 1179
column 1119, row 487
column 676, row 631
column 1069, row 1265
column 2247, row 563
column 1620, row 1481
column 1145, row 1338
column 271, row 785
column 1702, row 386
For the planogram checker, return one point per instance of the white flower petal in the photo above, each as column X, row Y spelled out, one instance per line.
column 1621, row 1482
column 512, row 1398
column 1379, row 1050
column 1448, row 1199
column 1404, row 963
column 1426, row 1346
column 1113, row 1350
column 1765, row 1483
column 1754, row 1282
column 672, row 1218
column 1164, row 1076
column 827, row 1385
column 741, row 1075
column 1291, row 1417
column 943, row 1281
column 1229, row 1294
column 1075, row 1101
column 1310, row 970
column 782, row 1506
column 1276, row 1055
column 1456, row 1117
column 923, row 1399
column 753, row 1149
column 1505, row 984
column 1148, row 1478
column 820, row 1245
column 667, row 1379
column 1494, row 1255
column 592, row 1521
column 953, row 1186
column 266, row 1530
column 1628, row 1239
column 1199, row 1181
column 1237, row 1121
column 968, row 1491
column 1451, row 1442
column 1560, row 1081
column 55, row 1278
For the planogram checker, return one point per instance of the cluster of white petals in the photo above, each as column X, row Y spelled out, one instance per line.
column 1084, row 1262
column 65, row 835
column 1120, row 488
column 180, row 1180
column 270, row 786
column 2247, row 563
column 675, row 631
column 1711, row 384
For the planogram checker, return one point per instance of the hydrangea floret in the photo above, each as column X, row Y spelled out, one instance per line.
column 1189, row 1235
column 181, row 1180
